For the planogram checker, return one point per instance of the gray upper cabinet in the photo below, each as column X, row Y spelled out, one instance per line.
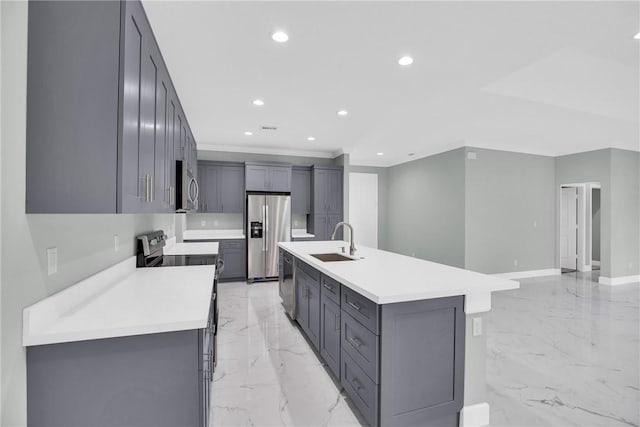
column 326, row 206
column 221, row 187
column 103, row 133
column 300, row 190
column 267, row 177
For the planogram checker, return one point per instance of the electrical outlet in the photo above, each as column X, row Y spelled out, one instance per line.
column 535, row 224
column 52, row 261
column 413, row 254
column 471, row 155
column 215, row 222
column 203, row 223
column 477, row 326
column 116, row 242
column 515, row 262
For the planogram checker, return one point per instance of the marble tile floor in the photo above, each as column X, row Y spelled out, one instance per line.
column 562, row 351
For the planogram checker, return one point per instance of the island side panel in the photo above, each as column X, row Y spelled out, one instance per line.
column 138, row 380
column 422, row 362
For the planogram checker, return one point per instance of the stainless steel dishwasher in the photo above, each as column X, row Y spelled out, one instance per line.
column 287, row 283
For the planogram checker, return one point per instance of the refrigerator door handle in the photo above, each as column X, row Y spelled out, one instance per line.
column 266, row 227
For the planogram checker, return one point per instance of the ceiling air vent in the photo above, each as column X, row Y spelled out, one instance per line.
column 269, row 128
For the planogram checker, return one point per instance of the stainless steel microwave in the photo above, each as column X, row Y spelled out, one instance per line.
column 186, row 188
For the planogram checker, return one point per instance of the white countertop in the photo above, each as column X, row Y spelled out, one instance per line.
column 301, row 234
column 212, row 234
column 386, row 277
column 190, row 248
column 122, row 301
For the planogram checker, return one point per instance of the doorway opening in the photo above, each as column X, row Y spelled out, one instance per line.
column 579, row 231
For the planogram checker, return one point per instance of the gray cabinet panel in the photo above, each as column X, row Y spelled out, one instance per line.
column 330, row 289
column 362, row 345
column 150, row 380
column 233, row 253
column 362, row 309
column 330, row 326
column 362, row 391
column 300, row 191
column 71, row 150
column 256, row 178
column 232, row 191
column 313, row 295
column 280, row 178
column 302, row 308
column 308, row 305
column 422, row 361
column 327, row 203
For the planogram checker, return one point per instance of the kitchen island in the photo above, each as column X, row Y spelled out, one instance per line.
column 393, row 331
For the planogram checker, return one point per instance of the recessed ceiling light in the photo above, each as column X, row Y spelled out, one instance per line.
column 248, row 133
column 405, row 60
column 343, row 112
column 637, row 36
column 258, row 102
column 311, row 138
column 280, row 36
column 380, row 154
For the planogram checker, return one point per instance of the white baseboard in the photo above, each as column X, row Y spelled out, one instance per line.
column 615, row 281
column 595, row 263
column 475, row 415
column 531, row 273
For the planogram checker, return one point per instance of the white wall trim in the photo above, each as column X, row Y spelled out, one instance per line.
column 267, row 150
column 530, row 273
column 595, row 263
column 475, row 415
column 615, row 281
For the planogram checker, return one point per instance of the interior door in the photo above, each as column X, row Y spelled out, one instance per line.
column 278, row 229
column 569, row 228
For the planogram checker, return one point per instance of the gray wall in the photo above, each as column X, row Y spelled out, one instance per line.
column 625, row 213
column 426, row 208
column 590, row 166
column 509, row 212
column 84, row 242
column 383, row 201
column 595, row 224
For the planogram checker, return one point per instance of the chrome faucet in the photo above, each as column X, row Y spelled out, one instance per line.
column 352, row 246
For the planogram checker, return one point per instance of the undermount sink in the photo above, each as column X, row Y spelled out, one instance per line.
column 331, row 257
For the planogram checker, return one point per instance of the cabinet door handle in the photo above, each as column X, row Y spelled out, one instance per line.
column 355, row 342
column 151, row 188
column 336, row 322
column 330, row 288
column 355, row 305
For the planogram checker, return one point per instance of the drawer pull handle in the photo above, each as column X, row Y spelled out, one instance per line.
column 356, row 384
column 355, row 305
column 355, row 342
column 328, row 287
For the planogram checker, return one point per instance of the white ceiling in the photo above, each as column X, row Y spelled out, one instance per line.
column 538, row 77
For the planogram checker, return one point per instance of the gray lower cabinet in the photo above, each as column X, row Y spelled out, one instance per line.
column 233, row 253
column 145, row 380
column 401, row 364
column 330, row 326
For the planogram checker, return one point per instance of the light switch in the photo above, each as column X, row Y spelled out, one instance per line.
column 52, row 261
column 471, row 155
column 203, row 223
column 477, row 326
column 116, row 242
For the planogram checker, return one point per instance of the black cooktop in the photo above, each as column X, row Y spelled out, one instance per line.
column 180, row 260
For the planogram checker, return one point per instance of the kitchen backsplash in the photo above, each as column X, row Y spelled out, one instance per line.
column 214, row 221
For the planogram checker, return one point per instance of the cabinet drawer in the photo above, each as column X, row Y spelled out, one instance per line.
column 362, row 309
column 362, row 391
column 312, row 272
column 231, row 244
column 330, row 288
column 361, row 344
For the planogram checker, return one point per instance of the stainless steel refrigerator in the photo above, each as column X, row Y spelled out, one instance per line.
column 268, row 222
